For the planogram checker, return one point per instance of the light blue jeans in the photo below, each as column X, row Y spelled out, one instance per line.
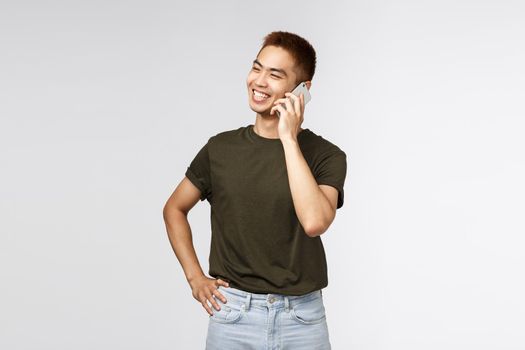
column 250, row 321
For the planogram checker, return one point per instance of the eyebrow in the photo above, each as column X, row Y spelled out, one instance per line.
column 272, row 69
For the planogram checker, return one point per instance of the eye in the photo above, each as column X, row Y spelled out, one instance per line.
column 276, row 76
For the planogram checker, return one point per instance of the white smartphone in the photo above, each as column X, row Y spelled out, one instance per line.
column 301, row 88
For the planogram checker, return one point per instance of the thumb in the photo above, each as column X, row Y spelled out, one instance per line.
column 224, row 283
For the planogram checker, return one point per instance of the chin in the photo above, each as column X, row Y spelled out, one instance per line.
column 259, row 108
column 256, row 108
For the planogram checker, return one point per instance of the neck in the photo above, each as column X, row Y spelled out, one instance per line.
column 267, row 126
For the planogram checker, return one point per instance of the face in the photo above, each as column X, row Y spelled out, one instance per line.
column 272, row 74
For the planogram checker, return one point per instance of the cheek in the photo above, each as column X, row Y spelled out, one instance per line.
column 279, row 92
column 250, row 78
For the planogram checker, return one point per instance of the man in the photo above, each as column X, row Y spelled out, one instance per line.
column 273, row 188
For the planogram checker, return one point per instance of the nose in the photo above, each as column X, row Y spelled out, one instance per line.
column 261, row 80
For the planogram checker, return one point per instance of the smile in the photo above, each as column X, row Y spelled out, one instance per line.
column 259, row 96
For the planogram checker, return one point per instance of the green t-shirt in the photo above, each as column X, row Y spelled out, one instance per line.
column 257, row 242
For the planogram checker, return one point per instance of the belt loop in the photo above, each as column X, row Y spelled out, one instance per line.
column 248, row 298
column 286, row 304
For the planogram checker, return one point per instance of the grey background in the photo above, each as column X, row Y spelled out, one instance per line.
column 105, row 103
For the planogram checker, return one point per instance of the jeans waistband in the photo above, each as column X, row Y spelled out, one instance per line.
column 247, row 299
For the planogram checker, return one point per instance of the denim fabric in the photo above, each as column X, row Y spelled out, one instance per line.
column 250, row 321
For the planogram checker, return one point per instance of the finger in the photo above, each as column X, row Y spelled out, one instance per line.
column 289, row 105
column 293, row 97
column 224, row 283
column 213, row 301
column 279, row 108
column 300, row 104
column 296, row 103
column 288, row 102
column 282, row 101
column 276, row 109
column 219, row 296
column 206, row 306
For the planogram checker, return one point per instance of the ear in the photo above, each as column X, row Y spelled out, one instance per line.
column 308, row 84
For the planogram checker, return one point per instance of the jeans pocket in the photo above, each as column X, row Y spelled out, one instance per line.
column 229, row 312
column 309, row 312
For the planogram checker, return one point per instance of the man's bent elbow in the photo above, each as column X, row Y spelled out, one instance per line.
column 170, row 212
column 315, row 230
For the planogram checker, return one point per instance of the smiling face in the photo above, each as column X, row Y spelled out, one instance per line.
column 272, row 74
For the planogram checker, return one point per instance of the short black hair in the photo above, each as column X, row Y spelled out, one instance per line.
column 299, row 48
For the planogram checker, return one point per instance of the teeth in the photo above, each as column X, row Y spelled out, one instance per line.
column 260, row 94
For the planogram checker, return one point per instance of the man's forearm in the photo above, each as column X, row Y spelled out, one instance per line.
column 311, row 205
column 179, row 234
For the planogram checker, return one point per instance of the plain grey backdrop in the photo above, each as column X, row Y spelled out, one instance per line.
column 103, row 105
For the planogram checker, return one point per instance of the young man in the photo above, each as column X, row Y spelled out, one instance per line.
column 273, row 188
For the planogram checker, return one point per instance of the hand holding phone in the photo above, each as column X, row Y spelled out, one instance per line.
column 301, row 88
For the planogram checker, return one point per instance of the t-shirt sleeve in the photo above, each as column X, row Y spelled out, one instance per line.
column 199, row 172
column 331, row 170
